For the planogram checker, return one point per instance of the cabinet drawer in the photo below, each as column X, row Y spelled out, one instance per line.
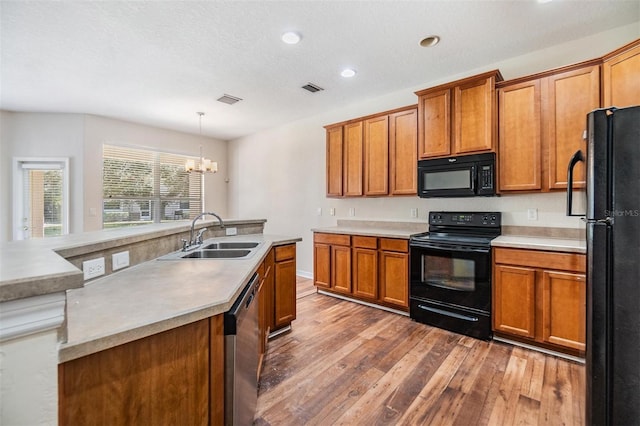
column 394, row 244
column 335, row 239
column 541, row 259
column 285, row 252
column 364, row 242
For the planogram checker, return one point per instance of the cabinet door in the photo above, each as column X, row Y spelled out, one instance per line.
column 520, row 137
column 376, row 156
column 474, row 106
column 403, row 153
column 564, row 309
column 322, row 265
column 334, row 161
column 394, row 278
column 621, row 78
column 568, row 98
column 269, row 291
column 434, row 124
column 160, row 379
column 352, row 161
column 341, row 269
column 514, row 299
column 285, row 293
column 365, row 273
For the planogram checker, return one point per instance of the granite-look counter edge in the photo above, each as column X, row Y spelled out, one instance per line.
column 38, row 266
column 541, row 243
column 382, row 229
column 156, row 296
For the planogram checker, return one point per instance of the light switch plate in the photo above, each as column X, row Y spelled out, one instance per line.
column 414, row 213
column 93, row 268
column 120, row 260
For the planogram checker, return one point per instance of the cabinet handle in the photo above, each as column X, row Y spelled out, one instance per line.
column 449, row 314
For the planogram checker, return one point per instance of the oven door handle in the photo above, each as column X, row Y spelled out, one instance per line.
column 457, row 249
column 449, row 314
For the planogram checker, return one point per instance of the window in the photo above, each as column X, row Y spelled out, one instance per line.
column 41, row 200
column 142, row 186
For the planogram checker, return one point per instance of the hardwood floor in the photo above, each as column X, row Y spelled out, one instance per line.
column 349, row 364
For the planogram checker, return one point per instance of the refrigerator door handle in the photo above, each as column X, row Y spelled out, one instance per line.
column 606, row 221
column 575, row 159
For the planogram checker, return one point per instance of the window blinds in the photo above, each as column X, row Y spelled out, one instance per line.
column 144, row 186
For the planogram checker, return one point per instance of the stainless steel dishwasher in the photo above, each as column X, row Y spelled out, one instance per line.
column 241, row 357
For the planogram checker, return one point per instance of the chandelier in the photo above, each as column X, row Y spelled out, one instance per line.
column 204, row 165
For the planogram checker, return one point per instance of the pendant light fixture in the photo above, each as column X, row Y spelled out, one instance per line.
column 205, row 165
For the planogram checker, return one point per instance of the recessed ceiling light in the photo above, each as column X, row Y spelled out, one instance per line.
column 544, row 1
column 348, row 72
column 430, row 41
column 291, row 37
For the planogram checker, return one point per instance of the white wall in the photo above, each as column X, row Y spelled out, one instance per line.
column 280, row 173
column 80, row 137
column 41, row 135
column 102, row 130
column 29, row 380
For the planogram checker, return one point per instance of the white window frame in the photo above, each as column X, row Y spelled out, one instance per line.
column 40, row 163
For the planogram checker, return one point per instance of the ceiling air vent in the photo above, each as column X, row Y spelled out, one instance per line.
column 228, row 99
column 313, row 88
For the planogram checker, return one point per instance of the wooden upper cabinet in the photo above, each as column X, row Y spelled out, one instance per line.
column 434, row 124
column 520, row 137
column 376, row 156
column 334, row 161
column 542, row 120
column 475, row 110
column 352, row 161
column 621, row 76
column 569, row 97
column 403, row 152
column 458, row 118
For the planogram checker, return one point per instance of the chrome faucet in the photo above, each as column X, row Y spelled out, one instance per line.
column 198, row 239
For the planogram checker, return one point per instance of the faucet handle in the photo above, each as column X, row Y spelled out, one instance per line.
column 185, row 244
column 199, row 236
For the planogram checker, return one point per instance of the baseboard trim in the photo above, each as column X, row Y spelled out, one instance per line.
column 304, row 274
column 543, row 350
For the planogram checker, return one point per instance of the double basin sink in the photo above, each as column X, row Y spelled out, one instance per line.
column 216, row 250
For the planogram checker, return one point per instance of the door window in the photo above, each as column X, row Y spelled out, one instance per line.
column 41, row 197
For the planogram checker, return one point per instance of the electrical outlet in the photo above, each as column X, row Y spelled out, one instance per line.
column 231, row 231
column 332, row 211
column 352, row 211
column 414, row 213
column 93, row 268
column 119, row 260
column 532, row 214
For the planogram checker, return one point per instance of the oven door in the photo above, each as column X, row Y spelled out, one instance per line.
column 456, row 275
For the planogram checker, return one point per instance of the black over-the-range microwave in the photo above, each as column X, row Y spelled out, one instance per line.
column 463, row 176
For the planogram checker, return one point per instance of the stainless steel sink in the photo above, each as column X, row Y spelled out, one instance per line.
column 216, row 254
column 213, row 249
column 231, row 245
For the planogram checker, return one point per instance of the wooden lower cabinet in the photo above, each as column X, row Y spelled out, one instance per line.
column 540, row 297
column 371, row 269
column 173, row 377
column 284, row 296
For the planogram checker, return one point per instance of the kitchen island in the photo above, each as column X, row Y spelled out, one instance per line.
column 111, row 311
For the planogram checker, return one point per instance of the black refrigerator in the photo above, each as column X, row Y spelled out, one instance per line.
column 613, row 265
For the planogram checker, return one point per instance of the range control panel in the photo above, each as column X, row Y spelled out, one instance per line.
column 481, row 219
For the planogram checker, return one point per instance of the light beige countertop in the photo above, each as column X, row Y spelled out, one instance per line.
column 567, row 245
column 38, row 266
column 156, row 296
column 382, row 229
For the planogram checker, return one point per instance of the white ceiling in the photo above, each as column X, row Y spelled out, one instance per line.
column 158, row 62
